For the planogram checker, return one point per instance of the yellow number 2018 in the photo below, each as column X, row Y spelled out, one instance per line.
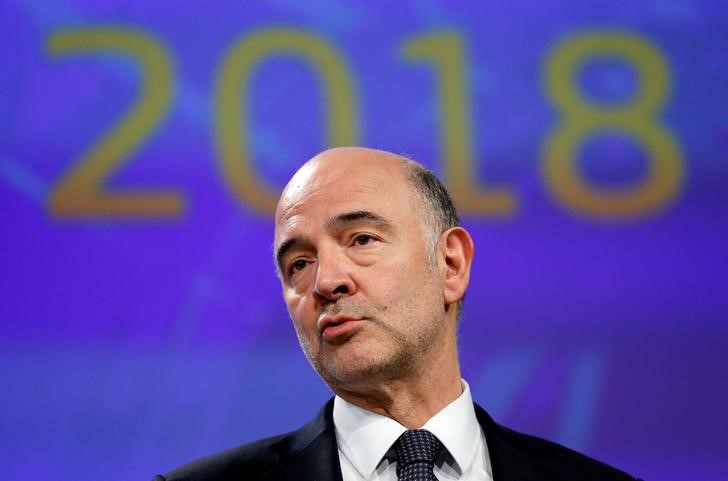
column 636, row 118
column 81, row 193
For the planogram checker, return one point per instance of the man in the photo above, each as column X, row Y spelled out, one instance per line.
column 374, row 266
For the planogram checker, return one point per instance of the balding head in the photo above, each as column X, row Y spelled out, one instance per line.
column 436, row 207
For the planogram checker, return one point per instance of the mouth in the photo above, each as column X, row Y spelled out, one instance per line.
column 332, row 328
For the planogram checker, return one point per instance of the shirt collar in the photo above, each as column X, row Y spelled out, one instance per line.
column 365, row 437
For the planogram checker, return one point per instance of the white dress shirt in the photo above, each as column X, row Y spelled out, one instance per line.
column 365, row 442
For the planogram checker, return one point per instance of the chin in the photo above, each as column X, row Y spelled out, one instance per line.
column 359, row 370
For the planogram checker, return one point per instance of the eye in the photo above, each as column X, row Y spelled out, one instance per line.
column 364, row 239
column 297, row 266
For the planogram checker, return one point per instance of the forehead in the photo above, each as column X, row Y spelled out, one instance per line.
column 326, row 187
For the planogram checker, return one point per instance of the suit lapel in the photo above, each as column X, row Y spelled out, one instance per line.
column 508, row 463
column 312, row 452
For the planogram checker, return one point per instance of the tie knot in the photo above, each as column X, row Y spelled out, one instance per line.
column 416, row 446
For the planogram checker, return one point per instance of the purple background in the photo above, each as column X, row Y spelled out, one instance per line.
column 129, row 345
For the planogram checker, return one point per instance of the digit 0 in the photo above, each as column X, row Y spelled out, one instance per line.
column 81, row 193
column 638, row 119
column 233, row 92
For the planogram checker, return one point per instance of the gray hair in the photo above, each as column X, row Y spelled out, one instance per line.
column 440, row 214
column 439, row 209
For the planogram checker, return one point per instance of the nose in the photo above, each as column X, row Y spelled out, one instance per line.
column 333, row 279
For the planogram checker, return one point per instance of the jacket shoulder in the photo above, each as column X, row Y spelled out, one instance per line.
column 554, row 461
column 522, row 456
column 284, row 456
column 249, row 461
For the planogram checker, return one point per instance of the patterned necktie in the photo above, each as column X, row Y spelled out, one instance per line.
column 416, row 451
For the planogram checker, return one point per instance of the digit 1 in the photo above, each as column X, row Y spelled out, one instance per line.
column 444, row 52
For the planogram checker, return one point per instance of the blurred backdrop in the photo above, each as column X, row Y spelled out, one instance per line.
column 143, row 145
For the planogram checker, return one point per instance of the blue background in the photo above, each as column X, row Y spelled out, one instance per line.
column 131, row 344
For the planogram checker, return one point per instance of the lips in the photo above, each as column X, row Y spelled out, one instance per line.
column 335, row 327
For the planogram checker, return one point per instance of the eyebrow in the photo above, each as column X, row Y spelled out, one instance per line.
column 335, row 222
column 358, row 216
column 286, row 246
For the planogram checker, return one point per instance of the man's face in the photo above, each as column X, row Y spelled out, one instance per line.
column 361, row 286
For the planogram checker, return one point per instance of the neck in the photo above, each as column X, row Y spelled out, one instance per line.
column 411, row 400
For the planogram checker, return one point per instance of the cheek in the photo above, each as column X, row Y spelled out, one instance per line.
column 387, row 292
column 409, row 272
column 418, row 282
column 301, row 311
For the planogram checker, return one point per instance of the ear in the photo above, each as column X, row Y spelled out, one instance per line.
column 456, row 248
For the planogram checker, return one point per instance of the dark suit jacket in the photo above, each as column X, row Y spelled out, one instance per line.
column 310, row 453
